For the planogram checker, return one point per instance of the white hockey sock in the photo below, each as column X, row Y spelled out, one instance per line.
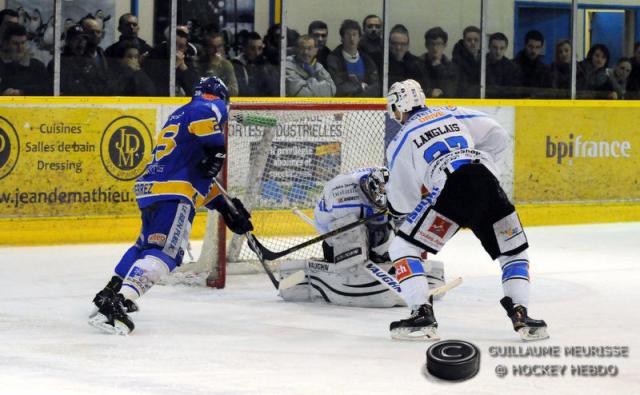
column 515, row 277
column 143, row 274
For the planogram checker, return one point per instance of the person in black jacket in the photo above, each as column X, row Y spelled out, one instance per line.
column 128, row 28
column 355, row 74
column 561, row 69
column 320, row 31
column 466, row 55
column 20, row 75
column 255, row 75
column 403, row 65
column 502, row 74
column 371, row 40
column 128, row 79
column 79, row 74
column 157, row 67
column 440, row 72
column 535, row 76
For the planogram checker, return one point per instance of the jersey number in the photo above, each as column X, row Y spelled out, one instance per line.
column 166, row 142
column 440, row 148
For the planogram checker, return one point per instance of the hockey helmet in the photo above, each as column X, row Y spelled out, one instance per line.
column 212, row 86
column 373, row 187
column 404, row 96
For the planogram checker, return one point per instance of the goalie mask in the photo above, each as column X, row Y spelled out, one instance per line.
column 403, row 97
column 373, row 187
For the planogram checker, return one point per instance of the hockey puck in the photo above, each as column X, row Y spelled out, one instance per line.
column 453, row 360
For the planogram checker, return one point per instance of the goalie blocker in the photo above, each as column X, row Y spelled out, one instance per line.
column 353, row 286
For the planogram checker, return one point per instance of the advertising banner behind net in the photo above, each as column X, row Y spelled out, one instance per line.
column 72, row 160
column 577, row 154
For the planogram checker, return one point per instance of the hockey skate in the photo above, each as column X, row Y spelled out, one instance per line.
column 421, row 325
column 111, row 316
column 114, row 286
column 528, row 328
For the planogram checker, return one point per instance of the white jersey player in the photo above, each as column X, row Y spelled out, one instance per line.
column 442, row 166
column 342, row 277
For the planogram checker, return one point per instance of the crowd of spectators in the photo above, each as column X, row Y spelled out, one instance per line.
column 250, row 64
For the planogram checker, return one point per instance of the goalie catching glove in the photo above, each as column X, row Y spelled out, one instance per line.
column 213, row 161
column 239, row 222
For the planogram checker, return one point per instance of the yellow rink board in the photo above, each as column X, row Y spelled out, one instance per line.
column 42, row 231
column 73, row 227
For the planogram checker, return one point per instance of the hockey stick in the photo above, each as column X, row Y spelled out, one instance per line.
column 251, row 240
column 272, row 255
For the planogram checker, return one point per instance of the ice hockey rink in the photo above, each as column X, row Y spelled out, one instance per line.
column 246, row 340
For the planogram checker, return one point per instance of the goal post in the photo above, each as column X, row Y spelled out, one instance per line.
column 277, row 169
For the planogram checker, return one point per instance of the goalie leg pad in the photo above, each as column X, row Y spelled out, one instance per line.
column 349, row 248
column 349, row 287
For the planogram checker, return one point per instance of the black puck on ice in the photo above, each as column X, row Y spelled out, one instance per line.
column 453, row 360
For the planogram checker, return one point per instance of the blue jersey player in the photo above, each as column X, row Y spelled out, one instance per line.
column 189, row 153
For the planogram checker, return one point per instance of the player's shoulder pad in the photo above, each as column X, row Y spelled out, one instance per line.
column 202, row 109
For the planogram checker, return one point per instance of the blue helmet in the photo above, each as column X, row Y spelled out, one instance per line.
column 213, row 86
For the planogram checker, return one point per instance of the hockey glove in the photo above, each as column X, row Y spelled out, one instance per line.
column 213, row 161
column 239, row 223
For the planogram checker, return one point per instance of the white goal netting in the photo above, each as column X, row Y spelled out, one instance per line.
column 275, row 170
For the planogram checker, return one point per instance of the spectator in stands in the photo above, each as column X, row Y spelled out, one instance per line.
column 371, row 40
column 402, row 63
column 93, row 30
column 213, row 63
column 79, row 74
column 7, row 16
column 502, row 73
column 272, row 43
column 619, row 80
column 466, row 55
column 128, row 28
column 634, row 78
column 593, row 75
column 255, row 75
column 20, row 75
column 535, row 76
column 157, row 67
column 442, row 74
column 128, row 78
column 561, row 69
column 355, row 74
column 320, row 32
column 306, row 77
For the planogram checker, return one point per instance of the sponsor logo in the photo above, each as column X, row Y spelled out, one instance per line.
column 440, row 226
column 510, row 233
column 348, row 254
column 579, row 148
column 383, row 276
column 9, row 147
column 417, row 212
column 319, row 266
column 125, row 143
column 403, row 270
column 157, row 239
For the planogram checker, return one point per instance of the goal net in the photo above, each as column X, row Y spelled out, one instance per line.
column 275, row 170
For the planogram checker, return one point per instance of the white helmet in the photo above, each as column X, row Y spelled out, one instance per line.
column 373, row 187
column 404, row 96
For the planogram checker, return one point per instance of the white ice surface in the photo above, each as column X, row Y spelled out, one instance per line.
column 245, row 340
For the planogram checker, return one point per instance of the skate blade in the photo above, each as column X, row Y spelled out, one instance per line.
column 428, row 333
column 533, row 334
column 100, row 321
